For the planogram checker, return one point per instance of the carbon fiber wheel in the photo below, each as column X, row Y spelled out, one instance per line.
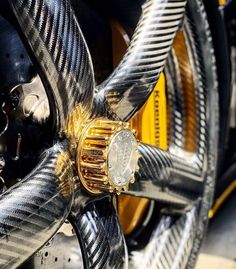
column 48, row 215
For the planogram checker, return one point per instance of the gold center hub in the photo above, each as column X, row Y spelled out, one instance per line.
column 107, row 156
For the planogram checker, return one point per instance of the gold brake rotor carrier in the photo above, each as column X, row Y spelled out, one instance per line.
column 107, row 156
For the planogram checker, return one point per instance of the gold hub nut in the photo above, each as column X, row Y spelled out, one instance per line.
column 107, row 156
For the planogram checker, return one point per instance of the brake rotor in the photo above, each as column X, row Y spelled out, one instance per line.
column 26, row 125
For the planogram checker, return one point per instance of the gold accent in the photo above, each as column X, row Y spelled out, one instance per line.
column 91, row 139
column 219, row 202
column 131, row 210
column 92, row 156
column 222, row 2
column 151, row 121
column 187, row 82
column 64, row 172
column 75, row 123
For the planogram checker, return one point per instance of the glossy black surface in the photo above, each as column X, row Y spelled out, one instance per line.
column 16, row 66
column 131, row 83
column 33, row 210
column 52, row 31
column 166, row 178
column 100, row 236
column 38, row 208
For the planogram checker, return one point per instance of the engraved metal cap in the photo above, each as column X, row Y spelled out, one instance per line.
column 107, row 156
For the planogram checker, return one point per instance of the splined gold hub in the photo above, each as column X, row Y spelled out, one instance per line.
column 107, row 156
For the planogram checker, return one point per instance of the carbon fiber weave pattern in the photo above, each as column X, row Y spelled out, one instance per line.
column 170, row 244
column 131, row 83
column 124, row 92
column 155, row 161
column 33, row 209
column 178, row 176
column 97, row 226
column 176, row 101
column 210, row 82
column 54, row 35
column 166, row 177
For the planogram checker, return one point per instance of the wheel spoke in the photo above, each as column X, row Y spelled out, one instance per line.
column 131, row 83
column 55, row 37
column 166, row 243
column 166, row 177
column 97, row 226
column 35, row 208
